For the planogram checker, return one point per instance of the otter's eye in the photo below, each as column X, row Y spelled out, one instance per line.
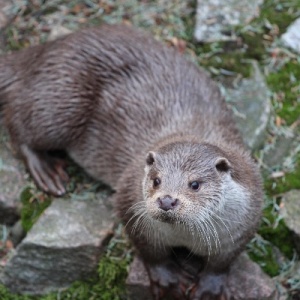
column 194, row 185
column 156, row 182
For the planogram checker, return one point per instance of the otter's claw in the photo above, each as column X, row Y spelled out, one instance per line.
column 48, row 172
column 168, row 281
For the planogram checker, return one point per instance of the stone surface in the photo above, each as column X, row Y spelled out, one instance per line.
column 246, row 281
column 290, row 212
column 17, row 233
column 11, row 182
column 276, row 153
column 292, row 36
column 215, row 18
column 4, row 7
column 138, row 283
column 58, row 31
column 251, row 107
column 63, row 246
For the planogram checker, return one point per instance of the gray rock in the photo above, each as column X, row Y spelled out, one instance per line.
column 292, row 36
column 17, row 233
column 11, row 182
column 290, row 212
column 58, row 31
column 215, row 18
column 251, row 107
column 138, row 283
column 276, row 153
column 63, row 246
column 246, row 281
column 4, row 7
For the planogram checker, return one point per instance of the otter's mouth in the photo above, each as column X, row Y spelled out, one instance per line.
column 165, row 217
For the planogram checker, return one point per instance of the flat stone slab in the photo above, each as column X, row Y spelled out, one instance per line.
column 292, row 36
column 246, row 281
column 215, row 18
column 63, row 246
column 12, row 181
column 251, row 107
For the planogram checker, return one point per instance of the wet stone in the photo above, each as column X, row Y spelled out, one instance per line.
column 12, row 174
column 216, row 18
column 63, row 246
column 251, row 106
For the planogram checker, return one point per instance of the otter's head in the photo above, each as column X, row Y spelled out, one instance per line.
column 187, row 181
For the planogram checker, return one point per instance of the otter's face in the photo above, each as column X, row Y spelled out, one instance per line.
column 184, row 181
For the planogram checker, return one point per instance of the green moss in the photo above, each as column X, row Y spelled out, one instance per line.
column 275, row 231
column 288, row 182
column 12, row 41
column 281, row 13
column 285, row 84
column 6, row 295
column 274, row 236
column 32, row 207
column 232, row 62
column 253, row 42
column 262, row 253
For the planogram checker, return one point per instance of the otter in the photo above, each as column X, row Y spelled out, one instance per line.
column 142, row 118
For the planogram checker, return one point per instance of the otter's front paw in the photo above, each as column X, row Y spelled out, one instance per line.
column 211, row 287
column 168, row 281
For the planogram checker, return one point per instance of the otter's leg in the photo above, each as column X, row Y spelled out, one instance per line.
column 48, row 172
column 211, row 286
column 169, row 281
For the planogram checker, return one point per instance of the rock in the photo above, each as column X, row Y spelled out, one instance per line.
column 276, row 153
column 248, row 282
column 215, row 18
column 290, row 212
column 251, row 107
column 63, row 246
column 17, row 233
column 58, row 31
column 138, row 283
column 4, row 6
column 12, row 182
column 292, row 36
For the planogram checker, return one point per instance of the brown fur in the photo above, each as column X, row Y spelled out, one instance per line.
column 110, row 95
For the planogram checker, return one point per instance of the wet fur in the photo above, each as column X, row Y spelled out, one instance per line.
column 110, row 95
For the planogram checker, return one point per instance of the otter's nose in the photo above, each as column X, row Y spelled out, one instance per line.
column 167, row 202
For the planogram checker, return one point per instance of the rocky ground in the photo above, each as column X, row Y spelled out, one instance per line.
column 252, row 48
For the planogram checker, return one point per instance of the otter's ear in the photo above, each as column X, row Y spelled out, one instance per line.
column 150, row 159
column 222, row 164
